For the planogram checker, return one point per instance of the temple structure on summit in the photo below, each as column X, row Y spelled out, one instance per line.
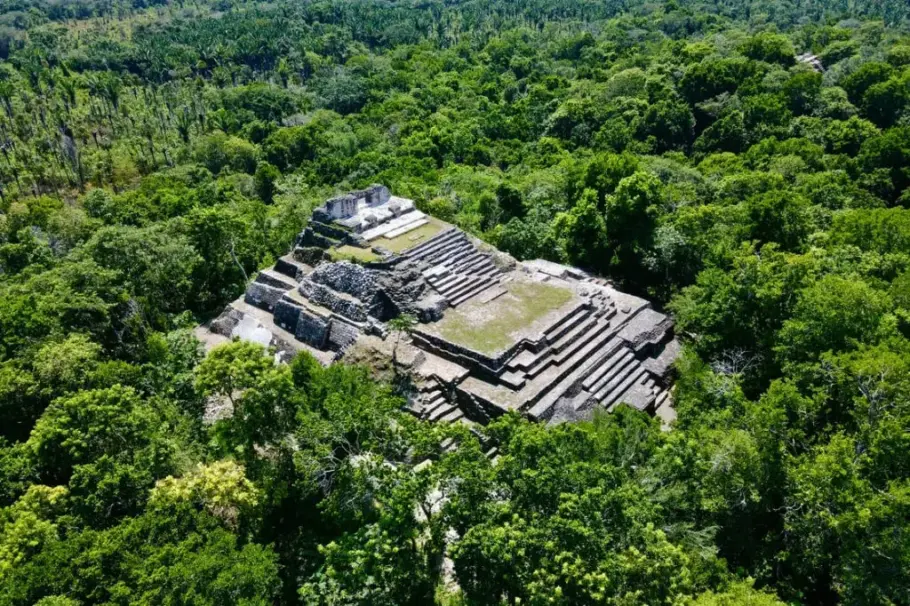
column 492, row 334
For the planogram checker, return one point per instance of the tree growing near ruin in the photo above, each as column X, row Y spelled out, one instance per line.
column 402, row 327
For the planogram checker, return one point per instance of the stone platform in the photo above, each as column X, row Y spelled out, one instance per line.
column 492, row 334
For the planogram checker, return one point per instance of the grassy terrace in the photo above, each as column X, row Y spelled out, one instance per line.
column 353, row 253
column 492, row 327
column 411, row 238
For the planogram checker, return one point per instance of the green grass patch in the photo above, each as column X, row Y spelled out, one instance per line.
column 353, row 253
column 412, row 238
column 492, row 327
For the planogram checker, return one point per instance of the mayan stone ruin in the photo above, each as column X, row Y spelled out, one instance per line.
column 492, row 334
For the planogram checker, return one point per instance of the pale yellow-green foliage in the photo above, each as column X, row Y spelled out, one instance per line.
column 220, row 488
column 26, row 526
column 64, row 365
column 737, row 594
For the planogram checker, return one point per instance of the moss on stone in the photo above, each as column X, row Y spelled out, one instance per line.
column 353, row 254
column 492, row 327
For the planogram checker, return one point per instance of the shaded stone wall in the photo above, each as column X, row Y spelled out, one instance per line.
column 328, row 298
column 263, row 296
column 346, row 277
column 286, row 314
column 489, row 366
column 312, row 329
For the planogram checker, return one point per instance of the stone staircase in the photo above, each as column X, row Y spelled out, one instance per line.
column 459, row 271
column 585, row 362
column 432, row 404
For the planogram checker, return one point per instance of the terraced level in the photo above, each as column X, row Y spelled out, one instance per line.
column 493, row 335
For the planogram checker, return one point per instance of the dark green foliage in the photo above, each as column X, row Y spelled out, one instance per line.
column 155, row 155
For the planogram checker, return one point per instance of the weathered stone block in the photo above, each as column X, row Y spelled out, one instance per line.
column 329, row 231
column 346, row 277
column 341, row 207
column 263, row 296
column 311, row 238
column 320, row 294
column 311, row 255
column 377, row 194
column 341, row 335
column 312, row 329
column 225, row 323
column 287, row 313
column 276, row 279
column 431, row 307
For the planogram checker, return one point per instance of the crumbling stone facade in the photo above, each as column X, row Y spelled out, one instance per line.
column 493, row 334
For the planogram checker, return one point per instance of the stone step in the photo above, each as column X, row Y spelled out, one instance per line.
column 479, row 285
column 568, row 374
column 414, row 408
column 290, row 267
column 569, row 337
column 619, row 378
column 436, row 272
column 619, row 372
column 430, row 407
column 453, row 416
column 441, row 411
column 573, row 342
column 403, row 229
column 455, row 257
column 512, row 380
column 580, row 342
column 273, row 278
column 445, row 234
column 439, row 248
column 488, row 271
column 615, row 396
column 544, row 360
column 449, row 285
column 456, row 288
column 598, row 373
column 430, row 254
column 477, row 262
column 491, row 294
column 431, row 398
column 448, row 445
column 573, row 320
column 491, row 272
column 436, row 257
column 444, row 258
column 608, row 313
column 559, row 327
column 462, row 265
column 443, row 278
column 622, row 358
column 663, row 398
column 482, row 285
column 458, row 243
column 428, row 386
column 524, row 359
column 457, row 294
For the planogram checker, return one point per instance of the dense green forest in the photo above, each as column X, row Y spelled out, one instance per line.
column 156, row 154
